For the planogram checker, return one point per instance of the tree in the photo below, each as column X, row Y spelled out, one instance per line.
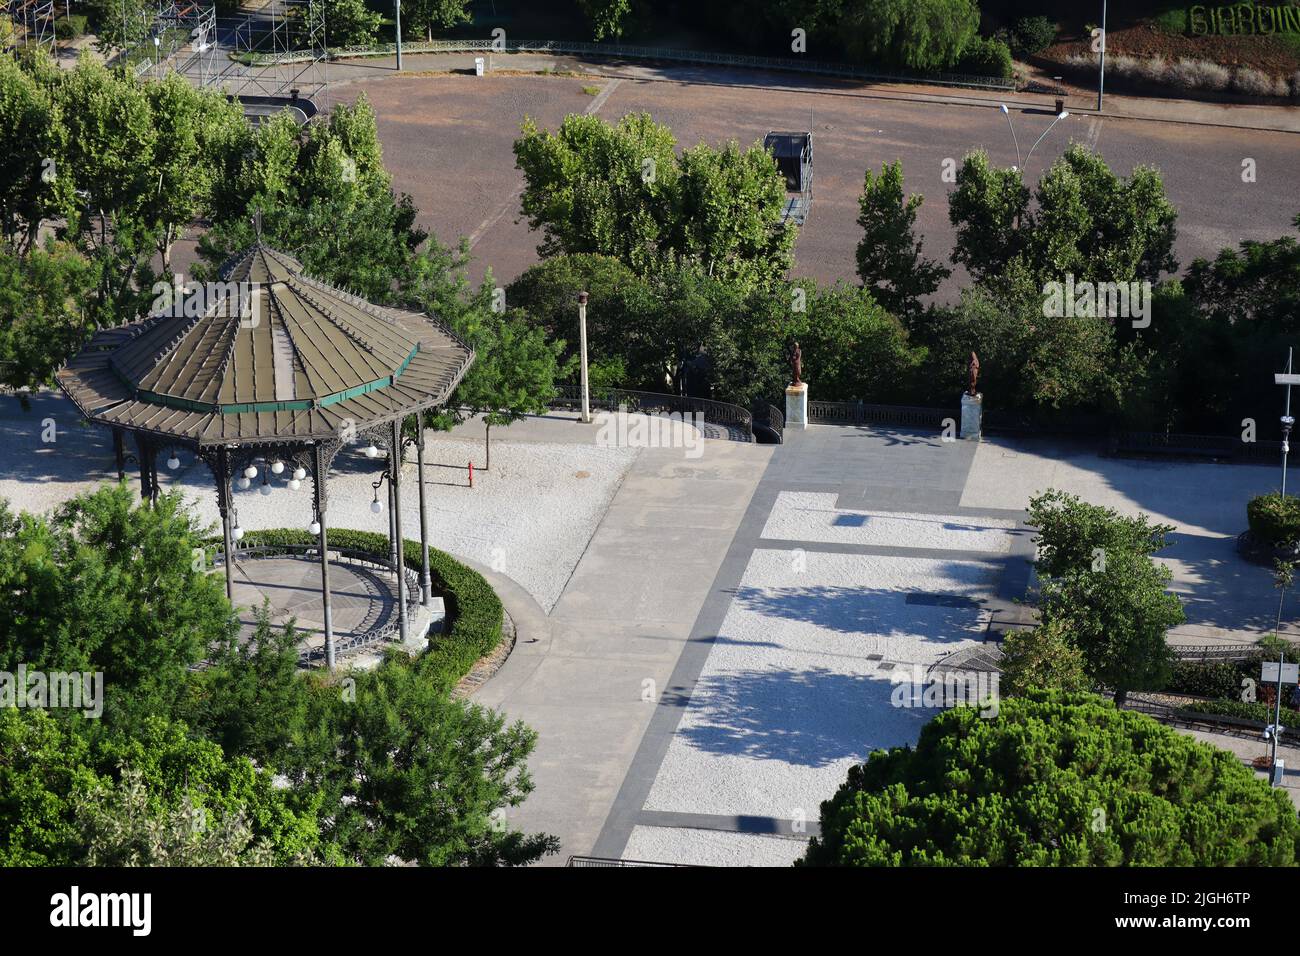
column 608, row 17
column 1044, row 658
column 73, row 798
column 622, row 191
column 1118, row 616
column 412, row 774
column 42, row 297
column 1073, row 535
column 889, row 254
column 325, row 196
column 106, row 586
column 1054, row 780
column 424, row 16
column 917, row 34
column 33, row 141
column 1087, row 222
column 350, row 23
column 852, row 348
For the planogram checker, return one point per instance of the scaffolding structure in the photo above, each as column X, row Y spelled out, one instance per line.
column 33, row 23
column 270, row 59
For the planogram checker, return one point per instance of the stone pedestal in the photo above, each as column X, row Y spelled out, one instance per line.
column 796, row 406
column 972, row 415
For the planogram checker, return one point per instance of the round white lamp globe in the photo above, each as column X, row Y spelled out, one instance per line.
column 376, row 507
column 372, row 451
column 173, row 462
column 242, row 484
column 314, row 527
column 237, row 532
column 294, row 484
column 277, row 467
column 250, row 471
column 299, row 474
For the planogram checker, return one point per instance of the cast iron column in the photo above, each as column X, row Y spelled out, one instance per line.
column 318, row 479
column 395, row 456
column 223, row 506
column 426, row 581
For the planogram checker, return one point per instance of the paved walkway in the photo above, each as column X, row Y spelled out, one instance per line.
column 1281, row 118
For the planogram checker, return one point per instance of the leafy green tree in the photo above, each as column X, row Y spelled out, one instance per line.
column 425, row 16
column 852, row 348
column 596, row 188
column 1118, row 616
column 1073, row 535
column 413, row 774
column 622, row 191
column 119, row 23
column 890, row 264
column 1086, row 221
column 918, row 34
column 34, row 185
column 1054, row 780
column 609, row 18
column 41, row 298
column 251, row 699
column 1044, row 658
column 324, row 196
column 103, row 585
column 350, row 23
column 70, row 800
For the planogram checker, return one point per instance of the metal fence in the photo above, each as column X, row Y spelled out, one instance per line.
column 722, row 414
column 768, row 418
column 1216, row 652
column 609, row 861
column 861, row 413
column 1175, row 444
column 620, row 51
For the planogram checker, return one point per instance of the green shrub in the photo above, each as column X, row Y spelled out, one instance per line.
column 985, row 56
column 474, row 611
column 1248, row 710
column 1220, row 679
column 1274, row 518
column 1032, row 35
column 70, row 27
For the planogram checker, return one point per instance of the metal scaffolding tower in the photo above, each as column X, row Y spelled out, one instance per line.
column 33, row 22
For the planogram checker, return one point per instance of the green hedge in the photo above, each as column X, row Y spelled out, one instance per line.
column 1210, row 679
column 474, row 612
column 1249, row 711
column 1274, row 519
column 985, row 56
column 1032, row 35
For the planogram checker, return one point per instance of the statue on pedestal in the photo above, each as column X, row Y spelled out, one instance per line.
column 973, row 374
column 796, row 364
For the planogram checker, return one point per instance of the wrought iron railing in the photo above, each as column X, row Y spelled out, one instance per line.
column 1177, row 444
column 722, row 414
column 609, row 861
column 622, row 51
column 861, row 413
column 351, row 643
column 768, row 417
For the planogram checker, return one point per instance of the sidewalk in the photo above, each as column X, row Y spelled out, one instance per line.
column 1117, row 106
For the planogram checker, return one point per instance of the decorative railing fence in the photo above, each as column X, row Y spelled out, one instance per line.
column 609, row 861
column 622, row 51
column 352, row 643
column 722, row 414
column 1195, row 446
column 861, row 413
column 768, row 422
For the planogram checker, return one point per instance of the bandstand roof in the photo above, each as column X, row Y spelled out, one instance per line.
column 302, row 360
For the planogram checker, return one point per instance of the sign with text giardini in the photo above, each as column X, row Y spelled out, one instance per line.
column 1243, row 19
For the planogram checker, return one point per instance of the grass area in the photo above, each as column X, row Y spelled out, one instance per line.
column 591, row 90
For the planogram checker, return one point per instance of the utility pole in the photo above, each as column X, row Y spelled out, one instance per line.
column 582, row 347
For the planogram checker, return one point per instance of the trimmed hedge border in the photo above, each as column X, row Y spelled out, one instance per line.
column 473, row 609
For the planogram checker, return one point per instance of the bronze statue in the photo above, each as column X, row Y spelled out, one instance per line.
column 796, row 364
column 973, row 371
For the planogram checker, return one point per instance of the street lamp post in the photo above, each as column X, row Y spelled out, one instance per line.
column 1101, row 76
column 1022, row 165
column 397, row 16
column 1015, row 139
column 1287, row 378
column 582, row 348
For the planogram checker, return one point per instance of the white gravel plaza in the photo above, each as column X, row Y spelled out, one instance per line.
column 530, row 517
column 788, row 699
column 712, row 847
column 812, row 516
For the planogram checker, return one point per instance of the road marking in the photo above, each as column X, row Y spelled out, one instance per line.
column 1094, row 131
column 511, row 200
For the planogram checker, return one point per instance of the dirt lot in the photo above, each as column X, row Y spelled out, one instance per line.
column 447, row 140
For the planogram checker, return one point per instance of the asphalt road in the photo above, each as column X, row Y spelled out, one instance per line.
column 447, row 140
